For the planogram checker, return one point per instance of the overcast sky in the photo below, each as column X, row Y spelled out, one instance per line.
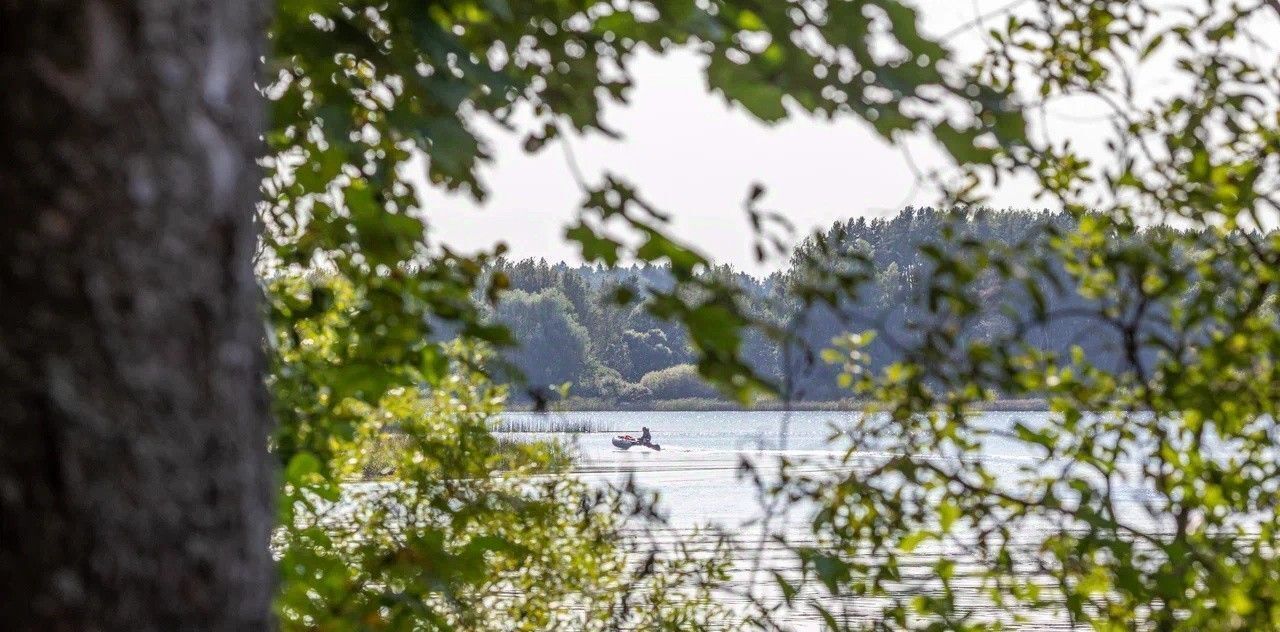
column 695, row 157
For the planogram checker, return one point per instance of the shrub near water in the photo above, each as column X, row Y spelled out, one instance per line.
column 677, row 382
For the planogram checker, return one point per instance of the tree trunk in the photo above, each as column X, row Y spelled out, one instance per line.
column 135, row 485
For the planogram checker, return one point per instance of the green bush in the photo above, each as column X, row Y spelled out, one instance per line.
column 677, row 382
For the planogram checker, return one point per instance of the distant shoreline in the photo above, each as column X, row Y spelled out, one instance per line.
column 578, row 404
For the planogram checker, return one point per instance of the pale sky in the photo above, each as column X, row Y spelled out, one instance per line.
column 695, row 157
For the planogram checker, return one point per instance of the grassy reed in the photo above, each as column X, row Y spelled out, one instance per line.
column 549, row 423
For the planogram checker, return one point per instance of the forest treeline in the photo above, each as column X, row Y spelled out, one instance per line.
column 572, row 329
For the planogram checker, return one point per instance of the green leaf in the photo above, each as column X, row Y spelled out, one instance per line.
column 594, row 247
column 435, row 365
column 948, row 512
column 301, row 467
column 762, row 100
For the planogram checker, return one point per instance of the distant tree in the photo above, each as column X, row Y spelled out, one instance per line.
column 553, row 347
column 647, row 351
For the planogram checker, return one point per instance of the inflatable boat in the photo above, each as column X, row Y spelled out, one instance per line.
column 625, row 442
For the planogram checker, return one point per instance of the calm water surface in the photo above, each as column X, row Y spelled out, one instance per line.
column 698, row 476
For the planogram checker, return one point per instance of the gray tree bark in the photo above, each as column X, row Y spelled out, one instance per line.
column 135, row 485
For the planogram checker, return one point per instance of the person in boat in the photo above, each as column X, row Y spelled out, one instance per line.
column 645, row 438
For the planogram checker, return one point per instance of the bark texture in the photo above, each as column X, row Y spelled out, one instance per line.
column 135, row 486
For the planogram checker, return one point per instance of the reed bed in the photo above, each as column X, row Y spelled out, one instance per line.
column 550, row 423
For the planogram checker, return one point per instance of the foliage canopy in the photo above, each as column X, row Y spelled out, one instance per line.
column 1186, row 415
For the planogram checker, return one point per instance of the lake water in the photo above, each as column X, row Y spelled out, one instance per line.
column 698, row 476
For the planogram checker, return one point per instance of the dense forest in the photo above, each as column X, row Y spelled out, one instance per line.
column 572, row 329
